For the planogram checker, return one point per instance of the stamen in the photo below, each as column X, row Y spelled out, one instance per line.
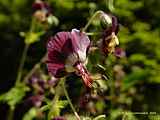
column 84, row 74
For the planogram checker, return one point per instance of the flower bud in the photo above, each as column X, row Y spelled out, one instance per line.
column 120, row 53
column 52, row 20
column 105, row 21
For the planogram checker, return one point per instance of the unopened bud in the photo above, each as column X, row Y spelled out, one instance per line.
column 105, row 21
column 52, row 20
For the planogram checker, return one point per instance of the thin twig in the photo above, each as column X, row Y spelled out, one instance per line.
column 22, row 61
column 91, row 20
column 69, row 100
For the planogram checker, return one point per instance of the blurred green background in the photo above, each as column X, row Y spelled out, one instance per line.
column 139, row 36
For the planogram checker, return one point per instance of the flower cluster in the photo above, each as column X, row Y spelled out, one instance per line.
column 67, row 51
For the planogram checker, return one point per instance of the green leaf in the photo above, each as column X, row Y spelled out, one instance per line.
column 14, row 95
column 30, row 114
column 33, row 37
column 100, row 106
column 62, row 104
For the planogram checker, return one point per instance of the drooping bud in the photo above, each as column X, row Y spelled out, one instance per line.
column 105, row 21
column 109, row 37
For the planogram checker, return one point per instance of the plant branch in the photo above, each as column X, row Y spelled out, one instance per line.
column 11, row 113
column 91, row 20
column 93, row 33
column 22, row 61
column 70, row 103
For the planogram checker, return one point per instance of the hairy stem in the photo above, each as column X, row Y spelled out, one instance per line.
column 11, row 113
column 69, row 100
column 109, row 4
column 22, row 61
column 24, row 54
column 91, row 20
column 93, row 33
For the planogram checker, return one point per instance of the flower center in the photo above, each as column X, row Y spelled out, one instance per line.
column 70, row 61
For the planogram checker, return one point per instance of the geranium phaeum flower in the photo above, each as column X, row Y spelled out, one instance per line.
column 109, row 38
column 67, row 53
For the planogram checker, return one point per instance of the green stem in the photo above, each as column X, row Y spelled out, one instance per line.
column 93, row 33
column 99, row 117
column 124, row 117
column 111, row 85
column 69, row 100
column 22, row 61
column 11, row 113
column 110, row 5
column 91, row 20
column 24, row 54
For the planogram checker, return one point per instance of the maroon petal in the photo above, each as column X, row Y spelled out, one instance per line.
column 61, row 43
column 115, row 25
column 59, row 47
column 80, row 44
column 40, row 5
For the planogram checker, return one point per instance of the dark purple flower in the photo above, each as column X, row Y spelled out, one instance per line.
column 67, row 53
column 109, row 37
column 36, row 100
column 119, row 52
